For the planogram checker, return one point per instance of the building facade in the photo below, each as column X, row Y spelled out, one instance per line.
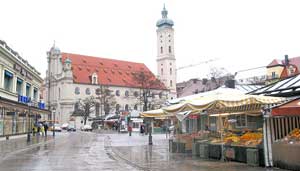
column 20, row 83
column 166, row 62
column 76, row 77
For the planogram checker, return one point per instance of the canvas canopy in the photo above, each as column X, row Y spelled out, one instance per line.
column 217, row 103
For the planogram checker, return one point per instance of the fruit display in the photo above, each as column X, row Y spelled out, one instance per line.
column 295, row 134
column 247, row 139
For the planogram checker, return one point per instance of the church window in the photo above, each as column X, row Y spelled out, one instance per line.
column 161, row 49
column 160, row 95
column 160, row 36
column 117, row 92
column 170, row 71
column 136, row 94
column 162, row 71
column 126, row 93
column 169, row 35
column 77, row 90
column 170, row 49
column 169, row 40
column 94, row 78
column 171, row 83
column 170, row 63
column 58, row 93
column 135, row 107
column 87, row 91
column 126, row 107
column 117, row 108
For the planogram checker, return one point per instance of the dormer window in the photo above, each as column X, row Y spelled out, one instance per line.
column 94, row 78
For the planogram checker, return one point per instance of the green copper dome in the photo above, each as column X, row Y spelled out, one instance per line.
column 164, row 21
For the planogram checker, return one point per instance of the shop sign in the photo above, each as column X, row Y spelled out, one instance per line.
column 22, row 71
column 194, row 116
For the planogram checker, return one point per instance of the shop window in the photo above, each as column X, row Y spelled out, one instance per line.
column 28, row 87
column 8, row 80
column 241, row 121
column 106, row 108
column 19, row 86
column 35, row 94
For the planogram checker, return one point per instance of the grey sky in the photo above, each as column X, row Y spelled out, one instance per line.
column 241, row 34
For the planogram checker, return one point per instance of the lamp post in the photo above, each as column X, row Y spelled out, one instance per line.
column 53, row 111
column 29, row 123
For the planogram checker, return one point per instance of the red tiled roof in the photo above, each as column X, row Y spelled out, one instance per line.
column 110, row 71
column 274, row 63
column 294, row 61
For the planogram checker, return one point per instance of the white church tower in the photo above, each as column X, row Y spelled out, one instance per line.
column 166, row 62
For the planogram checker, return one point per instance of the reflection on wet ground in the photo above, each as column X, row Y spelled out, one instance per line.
column 90, row 151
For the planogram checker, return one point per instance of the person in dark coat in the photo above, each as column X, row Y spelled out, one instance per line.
column 46, row 127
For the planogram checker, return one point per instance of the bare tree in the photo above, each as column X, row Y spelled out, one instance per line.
column 84, row 108
column 147, row 84
column 107, row 99
column 218, row 75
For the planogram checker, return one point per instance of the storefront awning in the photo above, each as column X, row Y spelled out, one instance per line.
column 290, row 108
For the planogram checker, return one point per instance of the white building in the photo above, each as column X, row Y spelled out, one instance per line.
column 166, row 62
column 75, row 77
column 20, row 105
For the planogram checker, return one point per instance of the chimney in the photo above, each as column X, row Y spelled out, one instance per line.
column 230, row 83
column 286, row 60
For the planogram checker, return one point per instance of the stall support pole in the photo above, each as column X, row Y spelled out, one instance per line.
column 267, row 142
column 150, row 133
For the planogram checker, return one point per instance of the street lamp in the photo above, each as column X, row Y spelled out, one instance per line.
column 29, row 124
column 53, row 111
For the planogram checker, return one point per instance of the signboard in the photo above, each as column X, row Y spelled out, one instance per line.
column 194, row 116
column 22, row 71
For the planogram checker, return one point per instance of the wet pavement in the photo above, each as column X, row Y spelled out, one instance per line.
column 90, row 151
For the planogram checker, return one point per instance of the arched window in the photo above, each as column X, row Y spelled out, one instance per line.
column 117, row 108
column 106, row 108
column 170, row 49
column 117, row 92
column 171, row 83
column 126, row 93
column 136, row 94
column 135, row 107
column 126, row 107
column 77, row 90
column 170, row 71
column 87, row 91
column 160, row 95
column 94, row 78
column 161, row 49
column 162, row 71
column 58, row 93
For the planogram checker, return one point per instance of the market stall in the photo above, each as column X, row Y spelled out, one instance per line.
column 283, row 126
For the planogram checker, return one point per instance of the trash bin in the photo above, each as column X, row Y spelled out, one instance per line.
column 195, row 148
column 203, row 150
column 180, row 147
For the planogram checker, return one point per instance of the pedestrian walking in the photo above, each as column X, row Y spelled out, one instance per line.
column 46, row 128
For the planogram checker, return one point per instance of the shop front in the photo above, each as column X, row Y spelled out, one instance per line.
column 283, row 125
column 17, row 118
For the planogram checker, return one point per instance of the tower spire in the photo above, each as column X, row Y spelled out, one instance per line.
column 164, row 12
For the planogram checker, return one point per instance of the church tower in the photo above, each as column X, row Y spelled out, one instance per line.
column 166, row 62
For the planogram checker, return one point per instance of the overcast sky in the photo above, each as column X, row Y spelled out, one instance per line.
column 240, row 34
